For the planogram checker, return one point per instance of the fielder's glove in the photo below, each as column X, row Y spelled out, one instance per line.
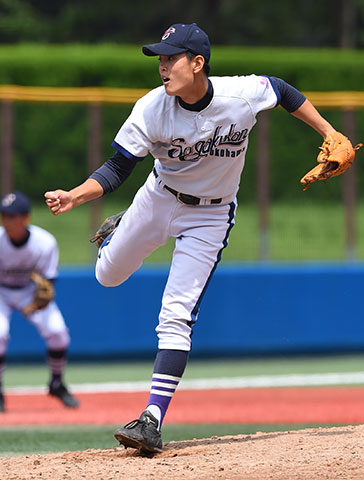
column 44, row 293
column 107, row 227
column 336, row 156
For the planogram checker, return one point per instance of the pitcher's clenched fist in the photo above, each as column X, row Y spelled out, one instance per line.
column 59, row 201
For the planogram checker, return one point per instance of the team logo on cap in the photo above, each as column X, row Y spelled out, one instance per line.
column 8, row 200
column 168, row 32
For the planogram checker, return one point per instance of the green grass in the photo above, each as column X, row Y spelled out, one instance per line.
column 297, row 232
column 123, row 371
column 18, row 441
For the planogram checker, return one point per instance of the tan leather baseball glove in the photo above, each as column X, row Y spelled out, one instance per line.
column 44, row 293
column 336, row 156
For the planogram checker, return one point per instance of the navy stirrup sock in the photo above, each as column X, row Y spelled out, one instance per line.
column 168, row 369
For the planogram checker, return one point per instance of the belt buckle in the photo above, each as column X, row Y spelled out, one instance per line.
column 186, row 199
column 178, row 196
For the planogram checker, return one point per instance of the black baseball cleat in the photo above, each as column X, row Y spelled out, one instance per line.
column 64, row 395
column 2, row 403
column 142, row 434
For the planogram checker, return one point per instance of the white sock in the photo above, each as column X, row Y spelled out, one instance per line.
column 155, row 411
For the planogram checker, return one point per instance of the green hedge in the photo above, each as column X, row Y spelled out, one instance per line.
column 126, row 66
column 51, row 139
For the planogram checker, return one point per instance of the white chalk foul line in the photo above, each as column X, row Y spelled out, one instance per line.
column 259, row 381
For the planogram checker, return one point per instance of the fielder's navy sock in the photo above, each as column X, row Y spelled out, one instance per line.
column 168, row 369
column 2, row 368
column 57, row 360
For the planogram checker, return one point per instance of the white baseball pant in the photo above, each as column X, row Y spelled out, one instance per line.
column 49, row 321
column 201, row 232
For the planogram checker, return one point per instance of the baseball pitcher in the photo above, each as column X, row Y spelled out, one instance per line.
column 197, row 129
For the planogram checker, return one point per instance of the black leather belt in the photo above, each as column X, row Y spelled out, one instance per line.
column 185, row 197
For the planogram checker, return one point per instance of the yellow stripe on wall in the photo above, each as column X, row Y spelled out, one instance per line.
column 70, row 95
column 18, row 93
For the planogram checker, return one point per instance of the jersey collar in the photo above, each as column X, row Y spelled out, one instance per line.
column 200, row 104
column 21, row 242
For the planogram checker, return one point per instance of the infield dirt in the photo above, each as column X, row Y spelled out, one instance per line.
column 309, row 454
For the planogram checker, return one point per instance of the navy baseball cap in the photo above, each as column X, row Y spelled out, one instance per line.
column 181, row 38
column 15, row 203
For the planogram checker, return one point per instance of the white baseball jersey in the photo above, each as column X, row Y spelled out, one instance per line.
column 40, row 253
column 199, row 153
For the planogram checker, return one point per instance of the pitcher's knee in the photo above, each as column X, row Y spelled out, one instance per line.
column 114, row 267
column 110, row 276
column 105, row 278
column 102, row 279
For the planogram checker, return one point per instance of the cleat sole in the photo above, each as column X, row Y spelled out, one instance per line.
column 137, row 444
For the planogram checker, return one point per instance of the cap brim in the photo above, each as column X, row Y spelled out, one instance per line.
column 162, row 48
column 14, row 211
column 11, row 212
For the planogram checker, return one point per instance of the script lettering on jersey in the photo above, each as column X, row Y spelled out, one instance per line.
column 203, row 148
column 15, row 276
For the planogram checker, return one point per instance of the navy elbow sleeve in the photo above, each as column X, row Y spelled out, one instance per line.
column 114, row 172
column 290, row 98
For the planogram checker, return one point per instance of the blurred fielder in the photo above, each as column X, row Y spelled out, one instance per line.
column 28, row 267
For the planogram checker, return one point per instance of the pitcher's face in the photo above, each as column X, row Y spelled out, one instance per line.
column 177, row 74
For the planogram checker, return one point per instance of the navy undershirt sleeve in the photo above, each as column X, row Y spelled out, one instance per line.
column 289, row 97
column 114, row 171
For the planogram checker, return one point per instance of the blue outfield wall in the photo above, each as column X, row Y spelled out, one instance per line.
column 249, row 309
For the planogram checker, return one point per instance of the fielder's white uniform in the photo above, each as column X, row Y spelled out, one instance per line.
column 199, row 153
column 39, row 253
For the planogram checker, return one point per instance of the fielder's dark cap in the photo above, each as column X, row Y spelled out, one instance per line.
column 15, row 203
column 181, row 38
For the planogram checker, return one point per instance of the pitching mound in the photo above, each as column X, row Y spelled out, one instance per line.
column 334, row 453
